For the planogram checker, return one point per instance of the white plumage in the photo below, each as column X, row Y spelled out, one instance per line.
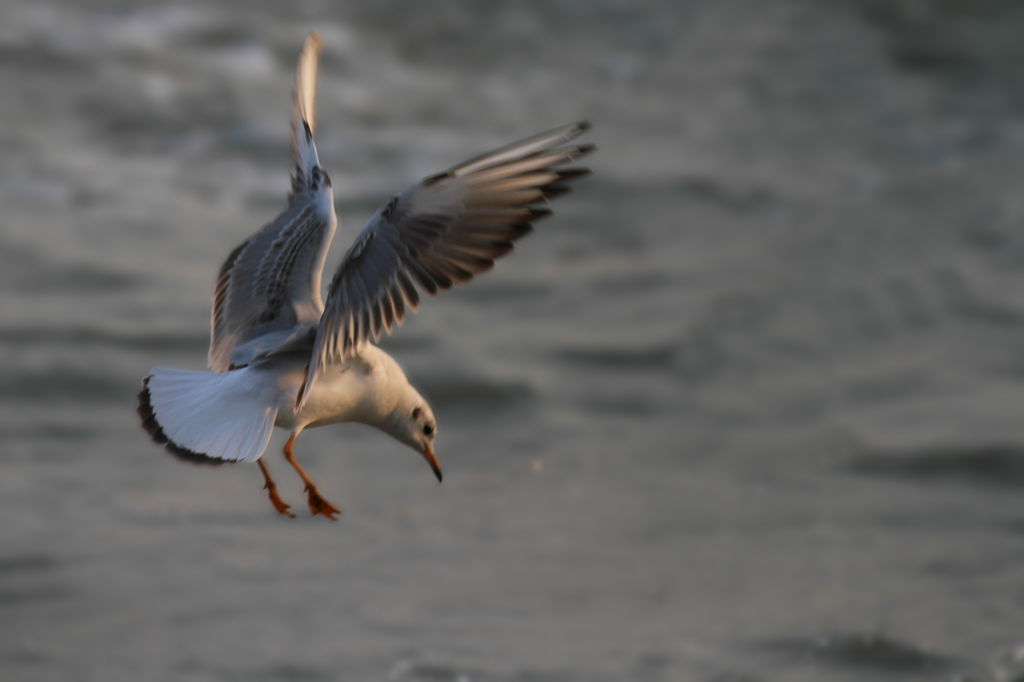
column 282, row 356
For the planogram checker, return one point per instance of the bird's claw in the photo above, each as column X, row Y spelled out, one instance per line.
column 280, row 505
column 318, row 505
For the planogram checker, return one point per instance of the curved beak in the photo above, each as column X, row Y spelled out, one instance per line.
column 435, row 466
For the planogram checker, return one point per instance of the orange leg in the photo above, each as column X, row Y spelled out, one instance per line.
column 317, row 504
column 271, row 488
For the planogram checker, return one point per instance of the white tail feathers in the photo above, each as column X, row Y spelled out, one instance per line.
column 207, row 417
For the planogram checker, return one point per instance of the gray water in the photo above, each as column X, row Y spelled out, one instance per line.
column 749, row 408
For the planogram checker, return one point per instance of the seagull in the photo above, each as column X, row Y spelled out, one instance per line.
column 280, row 355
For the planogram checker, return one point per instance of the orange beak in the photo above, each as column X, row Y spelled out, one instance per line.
column 428, row 454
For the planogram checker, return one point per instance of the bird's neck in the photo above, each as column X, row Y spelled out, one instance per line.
column 391, row 398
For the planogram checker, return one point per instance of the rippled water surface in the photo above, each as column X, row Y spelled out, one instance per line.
column 747, row 409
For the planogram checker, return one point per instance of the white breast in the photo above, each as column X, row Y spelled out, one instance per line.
column 365, row 389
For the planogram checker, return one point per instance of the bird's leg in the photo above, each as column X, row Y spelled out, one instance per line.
column 271, row 488
column 317, row 504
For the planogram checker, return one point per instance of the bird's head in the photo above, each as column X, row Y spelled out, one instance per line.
column 413, row 423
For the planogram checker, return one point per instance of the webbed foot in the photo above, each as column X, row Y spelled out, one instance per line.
column 318, row 505
column 280, row 505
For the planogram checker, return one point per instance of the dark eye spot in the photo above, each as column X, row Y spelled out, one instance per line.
column 428, row 429
column 416, row 413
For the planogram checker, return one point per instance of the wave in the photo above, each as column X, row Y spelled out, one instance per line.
column 868, row 652
column 992, row 465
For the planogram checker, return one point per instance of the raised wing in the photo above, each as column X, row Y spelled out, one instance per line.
column 440, row 232
column 270, row 284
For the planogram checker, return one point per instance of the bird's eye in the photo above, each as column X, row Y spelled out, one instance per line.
column 428, row 429
column 416, row 413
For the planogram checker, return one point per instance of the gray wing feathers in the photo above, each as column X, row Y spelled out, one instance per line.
column 270, row 284
column 441, row 232
column 523, row 148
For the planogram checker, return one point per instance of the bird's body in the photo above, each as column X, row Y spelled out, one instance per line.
column 367, row 389
column 282, row 356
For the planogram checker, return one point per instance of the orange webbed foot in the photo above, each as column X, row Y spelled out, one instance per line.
column 318, row 505
column 282, row 507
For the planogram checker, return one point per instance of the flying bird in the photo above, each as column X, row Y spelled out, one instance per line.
column 282, row 356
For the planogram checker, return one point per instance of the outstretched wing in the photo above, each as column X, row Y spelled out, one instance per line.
column 440, row 232
column 270, row 284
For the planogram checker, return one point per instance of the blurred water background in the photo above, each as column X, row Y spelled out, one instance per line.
column 749, row 408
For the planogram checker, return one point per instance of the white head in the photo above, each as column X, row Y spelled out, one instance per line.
column 413, row 423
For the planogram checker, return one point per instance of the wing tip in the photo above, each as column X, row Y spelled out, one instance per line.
column 574, row 130
column 568, row 174
column 553, row 191
column 304, row 90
